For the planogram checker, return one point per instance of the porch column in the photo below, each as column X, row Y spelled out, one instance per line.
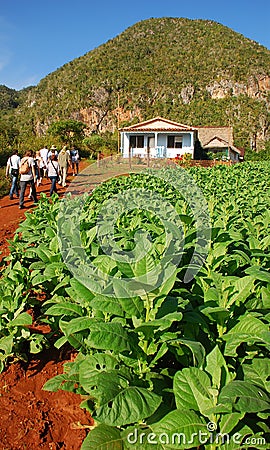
column 122, row 144
column 156, row 135
column 192, row 143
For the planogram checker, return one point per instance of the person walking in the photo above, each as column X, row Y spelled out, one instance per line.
column 64, row 163
column 53, row 151
column 12, row 170
column 28, row 176
column 75, row 158
column 53, row 173
column 44, row 152
column 38, row 164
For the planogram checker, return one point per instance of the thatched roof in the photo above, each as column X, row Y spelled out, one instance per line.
column 215, row 135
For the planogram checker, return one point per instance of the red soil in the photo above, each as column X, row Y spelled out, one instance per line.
column 35, row 419
column 11, row 215
column 30, row 417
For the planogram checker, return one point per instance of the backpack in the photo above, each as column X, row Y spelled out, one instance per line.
column 24, row 168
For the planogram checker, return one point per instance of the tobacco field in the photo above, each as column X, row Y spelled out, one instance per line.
column 173, row 343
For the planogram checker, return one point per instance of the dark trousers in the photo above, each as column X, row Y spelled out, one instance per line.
column 53, row 185
column 23, row 185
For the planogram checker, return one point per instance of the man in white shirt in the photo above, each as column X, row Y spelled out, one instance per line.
column 44, row 153
column 28, row 178
column 12, row 170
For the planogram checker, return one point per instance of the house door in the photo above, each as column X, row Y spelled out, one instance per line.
column 151, row 142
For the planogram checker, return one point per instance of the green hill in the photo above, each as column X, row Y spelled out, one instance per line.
column 196, row 72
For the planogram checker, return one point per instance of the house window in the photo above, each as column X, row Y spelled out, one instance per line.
column 136, row 141
column 175, row 142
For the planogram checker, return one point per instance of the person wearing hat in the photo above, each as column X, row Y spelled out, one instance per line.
column 53, row 172
column 53, row 151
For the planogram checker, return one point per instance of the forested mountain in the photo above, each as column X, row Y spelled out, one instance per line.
column 196, row 72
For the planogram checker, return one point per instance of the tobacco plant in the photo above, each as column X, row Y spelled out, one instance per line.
column 185, row 365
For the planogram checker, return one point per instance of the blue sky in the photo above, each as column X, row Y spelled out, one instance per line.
column 39, row 36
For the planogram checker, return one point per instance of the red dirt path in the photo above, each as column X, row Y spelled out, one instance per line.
column 11, row 215
column 31, row 418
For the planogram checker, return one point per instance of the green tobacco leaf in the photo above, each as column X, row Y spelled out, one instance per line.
column 219, row 249
column 109, row 336
column 258, row 274
column 54, row 245
column 126, row 269
column 103, row 386
column 144, row 266
column 242, row 289
column 50, row 232
column 258, row 372
column 166, row 287
column 63, row 283
column 54, row 269
column 91, row 234
column 103, row 437
column 161, row 324
column 93, row 366
column 76, row 325
column 55, row 383
column 212, row 294
column 229, row 421
column 38, row 279
column 265, row 294
column 104, row 263
column 37, row 265
column 60, row 342
column 36, row 343
column 80, row 292
column 44, row 253
column 244, row 397
column 180, row 429
column 216, row 367
column 110, row 305
column 21, row 320
column 249, row 329
column 130, row 405
column 132, row 306
column 216, row 313
column 65, row 308
column 192, row 390
column 6, row 344
column 197, row 349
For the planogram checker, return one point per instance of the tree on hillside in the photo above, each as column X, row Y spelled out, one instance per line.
column 69, row 132
column 101, row 101
column 8, row 132
column 105, row 143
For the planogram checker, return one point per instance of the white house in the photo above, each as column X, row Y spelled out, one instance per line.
column 160, row 137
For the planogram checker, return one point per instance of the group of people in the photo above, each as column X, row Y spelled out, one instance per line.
column 32, row 168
